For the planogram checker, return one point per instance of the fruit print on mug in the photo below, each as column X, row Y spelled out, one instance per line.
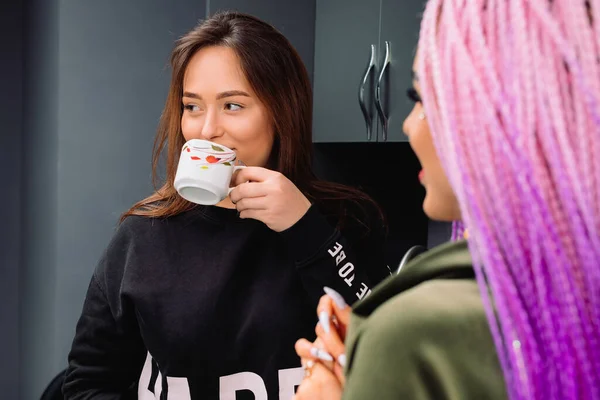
column 204, row 154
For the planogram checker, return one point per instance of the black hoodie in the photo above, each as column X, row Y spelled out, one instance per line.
column 205, row 305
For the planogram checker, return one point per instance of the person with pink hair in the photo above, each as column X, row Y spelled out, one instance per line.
column 506, row 125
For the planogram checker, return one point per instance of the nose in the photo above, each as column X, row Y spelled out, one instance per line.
column 211, row 128
column 405, row 125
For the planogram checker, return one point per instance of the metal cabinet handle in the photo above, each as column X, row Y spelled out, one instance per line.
column 380, row 110
column 361, row 94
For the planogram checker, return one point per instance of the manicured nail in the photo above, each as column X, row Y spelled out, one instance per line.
column 337, row 298
column 342, row 360
column 324, row 320
column 321, row 354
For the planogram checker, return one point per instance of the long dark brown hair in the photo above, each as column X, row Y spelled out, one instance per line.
column 278, row 76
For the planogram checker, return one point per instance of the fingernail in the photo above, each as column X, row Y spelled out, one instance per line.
column 342, row 360
column 324, row 320
column 321, row 354
column 337, row 298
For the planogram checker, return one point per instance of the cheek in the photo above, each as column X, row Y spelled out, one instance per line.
column 253, row 137
column 440, row 203
column 189, row 128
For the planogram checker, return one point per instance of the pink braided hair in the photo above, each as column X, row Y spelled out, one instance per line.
column 511, row 89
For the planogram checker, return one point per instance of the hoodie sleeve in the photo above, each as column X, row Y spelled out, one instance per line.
column 351, row 262
column 107, row 354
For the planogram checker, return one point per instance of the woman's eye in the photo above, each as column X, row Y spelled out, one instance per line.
column 413, row 95
column 191, row 107
column 233, row 107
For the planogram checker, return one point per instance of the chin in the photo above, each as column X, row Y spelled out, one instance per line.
column 435, row 210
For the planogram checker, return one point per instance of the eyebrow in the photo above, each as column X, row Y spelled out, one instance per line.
column 222, row 95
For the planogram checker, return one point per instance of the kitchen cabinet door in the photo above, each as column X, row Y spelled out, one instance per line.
column 400, row 24
column 346, row 39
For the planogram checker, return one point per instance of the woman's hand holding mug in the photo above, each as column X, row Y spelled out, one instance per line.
column 268, row 196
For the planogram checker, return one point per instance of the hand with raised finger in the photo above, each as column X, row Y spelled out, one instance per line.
column 268, row 196
column 334, row 317
column 333, row 308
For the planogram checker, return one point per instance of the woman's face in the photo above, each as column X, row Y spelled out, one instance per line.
column 219, row 105
column 440, row 203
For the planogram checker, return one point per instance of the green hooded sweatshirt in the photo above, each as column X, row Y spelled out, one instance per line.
column 423, row 334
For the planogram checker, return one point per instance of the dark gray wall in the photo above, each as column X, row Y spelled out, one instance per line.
column 96, row 81
column 37, row 305
column 11, row 108
column 113, row 84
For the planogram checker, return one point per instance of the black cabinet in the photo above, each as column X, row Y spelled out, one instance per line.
column 346, row 38
column 363, row 61
column 392, row 182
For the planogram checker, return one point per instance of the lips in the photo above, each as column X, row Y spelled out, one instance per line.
column 421, row 175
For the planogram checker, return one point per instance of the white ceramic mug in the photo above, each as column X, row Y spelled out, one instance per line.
column 204, row 172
